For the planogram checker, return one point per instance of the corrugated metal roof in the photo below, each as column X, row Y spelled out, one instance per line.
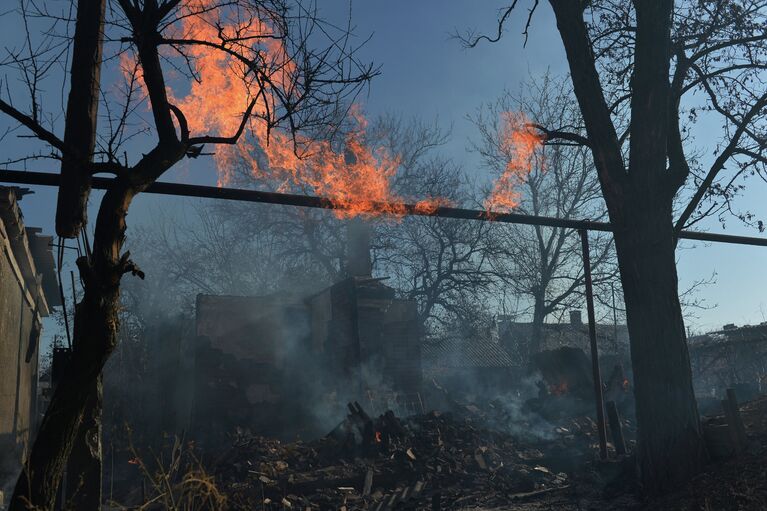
column 461, row 353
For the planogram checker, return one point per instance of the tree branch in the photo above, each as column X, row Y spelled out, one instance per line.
column 720, row 161
column 33, row 126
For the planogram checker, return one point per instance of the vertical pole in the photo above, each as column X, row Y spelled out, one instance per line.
column 593, row 341
column 615, row 319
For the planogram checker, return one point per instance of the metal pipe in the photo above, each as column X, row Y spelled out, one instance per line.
column 598, row 398
column 308, row 201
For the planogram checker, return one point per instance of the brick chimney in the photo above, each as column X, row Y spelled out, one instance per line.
column 575, row 317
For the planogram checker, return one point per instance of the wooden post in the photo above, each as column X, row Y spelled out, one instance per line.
column 615, row 428
column 740, row 429
column 731, row 428
column 601, row 426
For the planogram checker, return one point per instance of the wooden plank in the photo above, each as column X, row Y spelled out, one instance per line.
column 615, row 428
column 368, row 482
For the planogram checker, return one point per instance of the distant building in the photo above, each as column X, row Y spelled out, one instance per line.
column 285, row 363
column 473, row 365
column 612, row 339
column 28, row 290
column 493, row 363
column 730, row 357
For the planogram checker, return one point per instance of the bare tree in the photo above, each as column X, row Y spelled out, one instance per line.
column 641, row 71
column 286, row 81
column 250, row 249
column 442, row 264
column 542, row 263
column 241, row 249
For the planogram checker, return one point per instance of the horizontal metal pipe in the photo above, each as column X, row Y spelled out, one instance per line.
column 307, row 201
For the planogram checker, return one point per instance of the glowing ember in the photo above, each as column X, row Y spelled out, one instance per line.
column 558, row 389
column 519, row 141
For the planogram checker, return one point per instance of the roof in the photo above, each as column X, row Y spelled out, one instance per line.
column 29, row 254
column 744, row 334
column 462, row 354
column 558, row 335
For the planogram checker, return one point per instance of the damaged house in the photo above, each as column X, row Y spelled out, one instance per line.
column 28, row 290
column 284, row 364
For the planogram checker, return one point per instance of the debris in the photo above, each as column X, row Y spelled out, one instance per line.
column 368, row 482
column 446, row 460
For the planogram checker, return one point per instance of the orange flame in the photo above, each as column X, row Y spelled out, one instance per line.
column 519, row 141
column 356, row 179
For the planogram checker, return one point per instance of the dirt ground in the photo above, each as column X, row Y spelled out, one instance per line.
column 450, row 462
column 736, row 484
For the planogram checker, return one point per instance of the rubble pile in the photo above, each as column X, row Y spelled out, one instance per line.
column 435, row 460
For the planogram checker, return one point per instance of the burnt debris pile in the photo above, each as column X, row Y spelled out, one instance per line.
column 434, row 460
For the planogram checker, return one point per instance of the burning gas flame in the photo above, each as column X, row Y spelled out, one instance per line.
column 356, row 177
column 519, row 142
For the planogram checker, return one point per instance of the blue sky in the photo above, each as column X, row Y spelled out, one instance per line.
column 426, row 73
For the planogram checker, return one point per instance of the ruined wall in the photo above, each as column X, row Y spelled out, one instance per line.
column 285, row 365
column 19, row 335
column 244, row 363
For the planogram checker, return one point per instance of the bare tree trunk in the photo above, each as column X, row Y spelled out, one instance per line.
column 639, row 199
column 84, row 483
column 536, row 330
column 670, row 447
column 95, row 338
column 81, row 118
column 84, row 470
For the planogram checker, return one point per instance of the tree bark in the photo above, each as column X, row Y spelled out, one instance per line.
column 536, row 329
column 84, row 469
column 95, row 338
column 81, row 118
column 670, row 447
column 639, row 200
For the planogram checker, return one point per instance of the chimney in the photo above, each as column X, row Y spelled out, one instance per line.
column 358, row 262
column 575, row 317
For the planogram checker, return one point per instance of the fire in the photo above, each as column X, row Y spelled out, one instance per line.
column 378, row 437
column 519, row 142
column 353, row 176
column 625, row 383
column 558, row 389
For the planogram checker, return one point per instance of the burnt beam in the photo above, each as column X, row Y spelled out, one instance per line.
column 308, row 201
